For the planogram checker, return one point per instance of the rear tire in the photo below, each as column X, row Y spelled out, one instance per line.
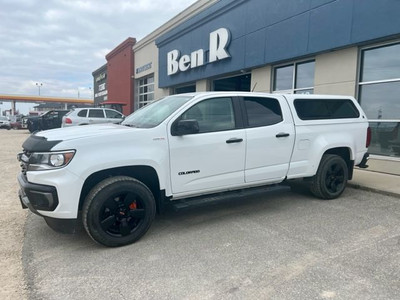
column 331, row 178
column 118, row 211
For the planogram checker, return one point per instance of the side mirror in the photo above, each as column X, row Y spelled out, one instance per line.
column 183, row 127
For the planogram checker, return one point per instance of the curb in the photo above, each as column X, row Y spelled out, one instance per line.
column 374, row 190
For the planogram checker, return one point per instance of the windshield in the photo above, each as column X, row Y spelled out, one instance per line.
column 154, row 113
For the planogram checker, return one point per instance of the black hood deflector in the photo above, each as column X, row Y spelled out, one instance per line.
column 36, row 143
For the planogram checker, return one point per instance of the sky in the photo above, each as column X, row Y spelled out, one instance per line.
column 59, row 43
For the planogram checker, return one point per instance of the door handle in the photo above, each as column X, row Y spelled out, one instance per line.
column 234, row 140
column 282, row 134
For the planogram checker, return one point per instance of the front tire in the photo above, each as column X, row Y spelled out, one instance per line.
column 118, row 211
column 331, row 178
column 32, row 128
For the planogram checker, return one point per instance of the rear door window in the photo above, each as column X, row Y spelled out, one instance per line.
column 320, row 109
column 112, row 114
column 262, row 111
column 96, row 113
column 82, row 113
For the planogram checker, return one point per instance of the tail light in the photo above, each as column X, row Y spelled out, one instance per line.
column 368, row 137
column 68, row 121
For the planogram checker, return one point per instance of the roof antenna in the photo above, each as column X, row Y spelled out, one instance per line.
column 254, row 87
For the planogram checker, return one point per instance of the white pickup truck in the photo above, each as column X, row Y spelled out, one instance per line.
column 188, row 147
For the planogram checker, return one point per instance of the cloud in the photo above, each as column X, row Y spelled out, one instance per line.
column 102, row 52
column 61, row 42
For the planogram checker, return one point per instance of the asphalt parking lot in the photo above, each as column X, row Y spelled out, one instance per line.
column 280, row 245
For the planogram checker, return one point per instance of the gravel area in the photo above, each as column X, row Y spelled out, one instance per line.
column 13, row 217
column 279, row 245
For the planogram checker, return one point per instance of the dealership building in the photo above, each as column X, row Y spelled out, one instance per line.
column 343, row 47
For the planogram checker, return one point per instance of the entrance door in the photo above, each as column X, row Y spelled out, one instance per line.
column 239, row 83
column 214, row 157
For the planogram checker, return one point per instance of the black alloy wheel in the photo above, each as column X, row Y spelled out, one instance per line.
column 118, row 211
column 334, row 178
column 331, row 178
column 122, row 213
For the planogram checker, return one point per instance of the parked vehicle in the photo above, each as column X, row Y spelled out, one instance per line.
column 18, row 122
column 186, row 149
column 32, row 123
column 24, row 122
column 5, row 123
column 88, row 116
column 49, row 120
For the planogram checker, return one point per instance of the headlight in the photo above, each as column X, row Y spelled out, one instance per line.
column 49, row 160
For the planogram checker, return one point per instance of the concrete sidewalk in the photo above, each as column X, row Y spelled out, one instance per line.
column 382, row 176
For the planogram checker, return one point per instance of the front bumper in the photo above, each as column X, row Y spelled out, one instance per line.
column 37, row 196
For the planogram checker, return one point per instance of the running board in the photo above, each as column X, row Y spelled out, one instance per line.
column 225, row 196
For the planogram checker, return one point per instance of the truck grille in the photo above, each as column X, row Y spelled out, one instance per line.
column 23, row 158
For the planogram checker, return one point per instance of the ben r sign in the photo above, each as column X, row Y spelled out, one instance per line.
column 219, row 41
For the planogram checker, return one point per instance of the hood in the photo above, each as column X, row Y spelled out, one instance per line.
column 45, row 140
column 78, row 132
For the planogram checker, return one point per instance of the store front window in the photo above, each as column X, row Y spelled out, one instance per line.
column 185, row 89
column 296, row 78
column 145, row 90
column 379, row 90
column 239, row 83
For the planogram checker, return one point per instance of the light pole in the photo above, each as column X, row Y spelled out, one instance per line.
column 84, row 89
column 39, row 85
column 91, row 92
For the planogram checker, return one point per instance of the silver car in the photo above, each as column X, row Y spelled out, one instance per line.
column 5, row 123
column 87, row 116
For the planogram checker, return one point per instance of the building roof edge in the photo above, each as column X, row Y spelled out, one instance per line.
column 129, row 42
